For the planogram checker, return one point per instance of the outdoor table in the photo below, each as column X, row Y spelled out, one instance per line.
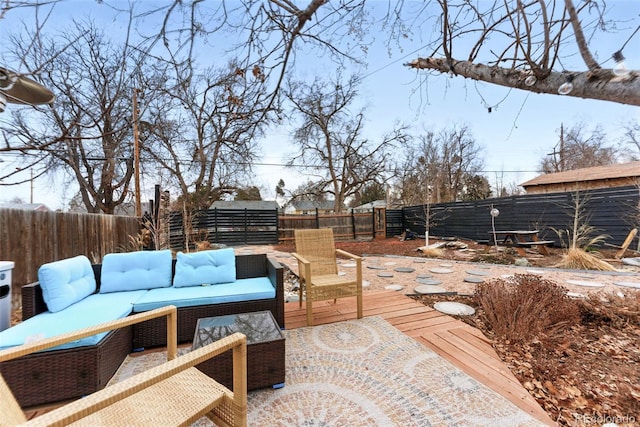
column 265, row 348
column 520, row 239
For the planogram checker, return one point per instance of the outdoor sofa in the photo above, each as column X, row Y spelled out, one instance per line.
column 73, row 294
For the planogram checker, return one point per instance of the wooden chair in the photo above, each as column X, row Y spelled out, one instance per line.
column 318, row 269
column 174, row 393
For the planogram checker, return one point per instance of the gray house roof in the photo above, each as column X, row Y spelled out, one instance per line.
column 309, row 205
column 245, row 204
column 26, row 206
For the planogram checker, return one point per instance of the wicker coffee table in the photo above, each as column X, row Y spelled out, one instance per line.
column 265, row 348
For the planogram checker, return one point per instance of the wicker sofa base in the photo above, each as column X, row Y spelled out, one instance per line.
column 58, row 375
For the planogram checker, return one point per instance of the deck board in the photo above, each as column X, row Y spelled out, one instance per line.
column 462, row 345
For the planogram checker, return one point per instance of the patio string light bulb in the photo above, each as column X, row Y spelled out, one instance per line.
column 530, row 80
column 620, row 69
column 494, row 212
column 566, row 87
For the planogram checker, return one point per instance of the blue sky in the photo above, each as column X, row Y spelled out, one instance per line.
column 521, row 128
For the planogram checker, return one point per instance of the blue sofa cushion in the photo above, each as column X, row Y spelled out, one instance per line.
column 205, row 268
column 133, row 271
column 94, row 309
column 66, row 282
column 256, row 288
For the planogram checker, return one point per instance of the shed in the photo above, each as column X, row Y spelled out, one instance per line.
column 610, row 176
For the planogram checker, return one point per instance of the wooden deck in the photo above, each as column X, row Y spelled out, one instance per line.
column 462, row 345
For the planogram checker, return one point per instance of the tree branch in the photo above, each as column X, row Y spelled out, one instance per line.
column 595, row 84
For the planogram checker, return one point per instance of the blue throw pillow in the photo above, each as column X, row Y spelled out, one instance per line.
column 133, row 271
column 66, row 282
column 205, row 268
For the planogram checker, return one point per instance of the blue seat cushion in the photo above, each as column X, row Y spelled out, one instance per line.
column 132, row 271
column 92, row 310
column 257, row 288
column 66, row 282
column 205, row 268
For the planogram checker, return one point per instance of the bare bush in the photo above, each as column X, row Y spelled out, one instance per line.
column 526, row 308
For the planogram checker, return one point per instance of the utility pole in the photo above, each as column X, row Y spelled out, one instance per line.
column 136, row 152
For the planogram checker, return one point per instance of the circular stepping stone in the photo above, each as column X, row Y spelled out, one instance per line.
column 454, row 308
column 584, row 276
column 341, row 273
column 534, row 271
column 394, row 287
column 429, row 281
column 473, row 279
column 477, row 273
column 376, row 267
column 385, row 274
column 404, row 269
column 446, row 265
column 390, row 263
column 420, row 261
column 440, row 270
column 628, row 284
column 349, row 265
column 424, row 276
column 366, row 283
column 586, row 283
column 429, row 289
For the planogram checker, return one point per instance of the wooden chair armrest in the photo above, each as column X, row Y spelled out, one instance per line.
column 170, row 311
column 300, row 258
column 107, row 396
column 348, row 255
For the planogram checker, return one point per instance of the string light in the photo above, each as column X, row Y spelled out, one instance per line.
column 620, row 69
column 531, row 79
column 566, row 87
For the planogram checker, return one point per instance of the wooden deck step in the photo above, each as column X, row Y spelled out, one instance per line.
column 462, row 345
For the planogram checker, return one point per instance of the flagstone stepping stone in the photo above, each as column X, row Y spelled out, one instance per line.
column 454, row 308
column 341, row 273
column 404, row 269
column 575, row 295
column 420, row 261
column 584, row 276
column 446, row 265
column 585, row 283
column 423, row 276
column 376, row 267
column 385, row 274
column 394, row 287
column 429, row 289
column 628, row 284
column 477, row 273
column 473, row 279
column 390, row 263
column 439, row 270
column 366, row 283
column 534, row 271
column 350, row 265
column 429, row 281
column 631, row 261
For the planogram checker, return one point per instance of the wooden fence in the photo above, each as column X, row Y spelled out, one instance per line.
column 346, row 226
column 32, row 238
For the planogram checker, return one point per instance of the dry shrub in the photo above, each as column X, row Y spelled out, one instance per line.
column 617, row 310
column 580, row 259
column 526, row 308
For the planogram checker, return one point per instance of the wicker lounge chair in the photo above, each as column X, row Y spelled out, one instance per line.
column 318, row 269
column 174, row 393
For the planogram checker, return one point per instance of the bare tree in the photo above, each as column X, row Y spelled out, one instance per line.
column 88, row 131
column 330, row 142
column 524, row 44
column 517, row 44
column 202, row 128
column 578, row 148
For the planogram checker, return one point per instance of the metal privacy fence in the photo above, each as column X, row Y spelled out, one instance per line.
column 613, row 211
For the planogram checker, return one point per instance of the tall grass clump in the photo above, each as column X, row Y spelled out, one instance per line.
column 526, row 308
